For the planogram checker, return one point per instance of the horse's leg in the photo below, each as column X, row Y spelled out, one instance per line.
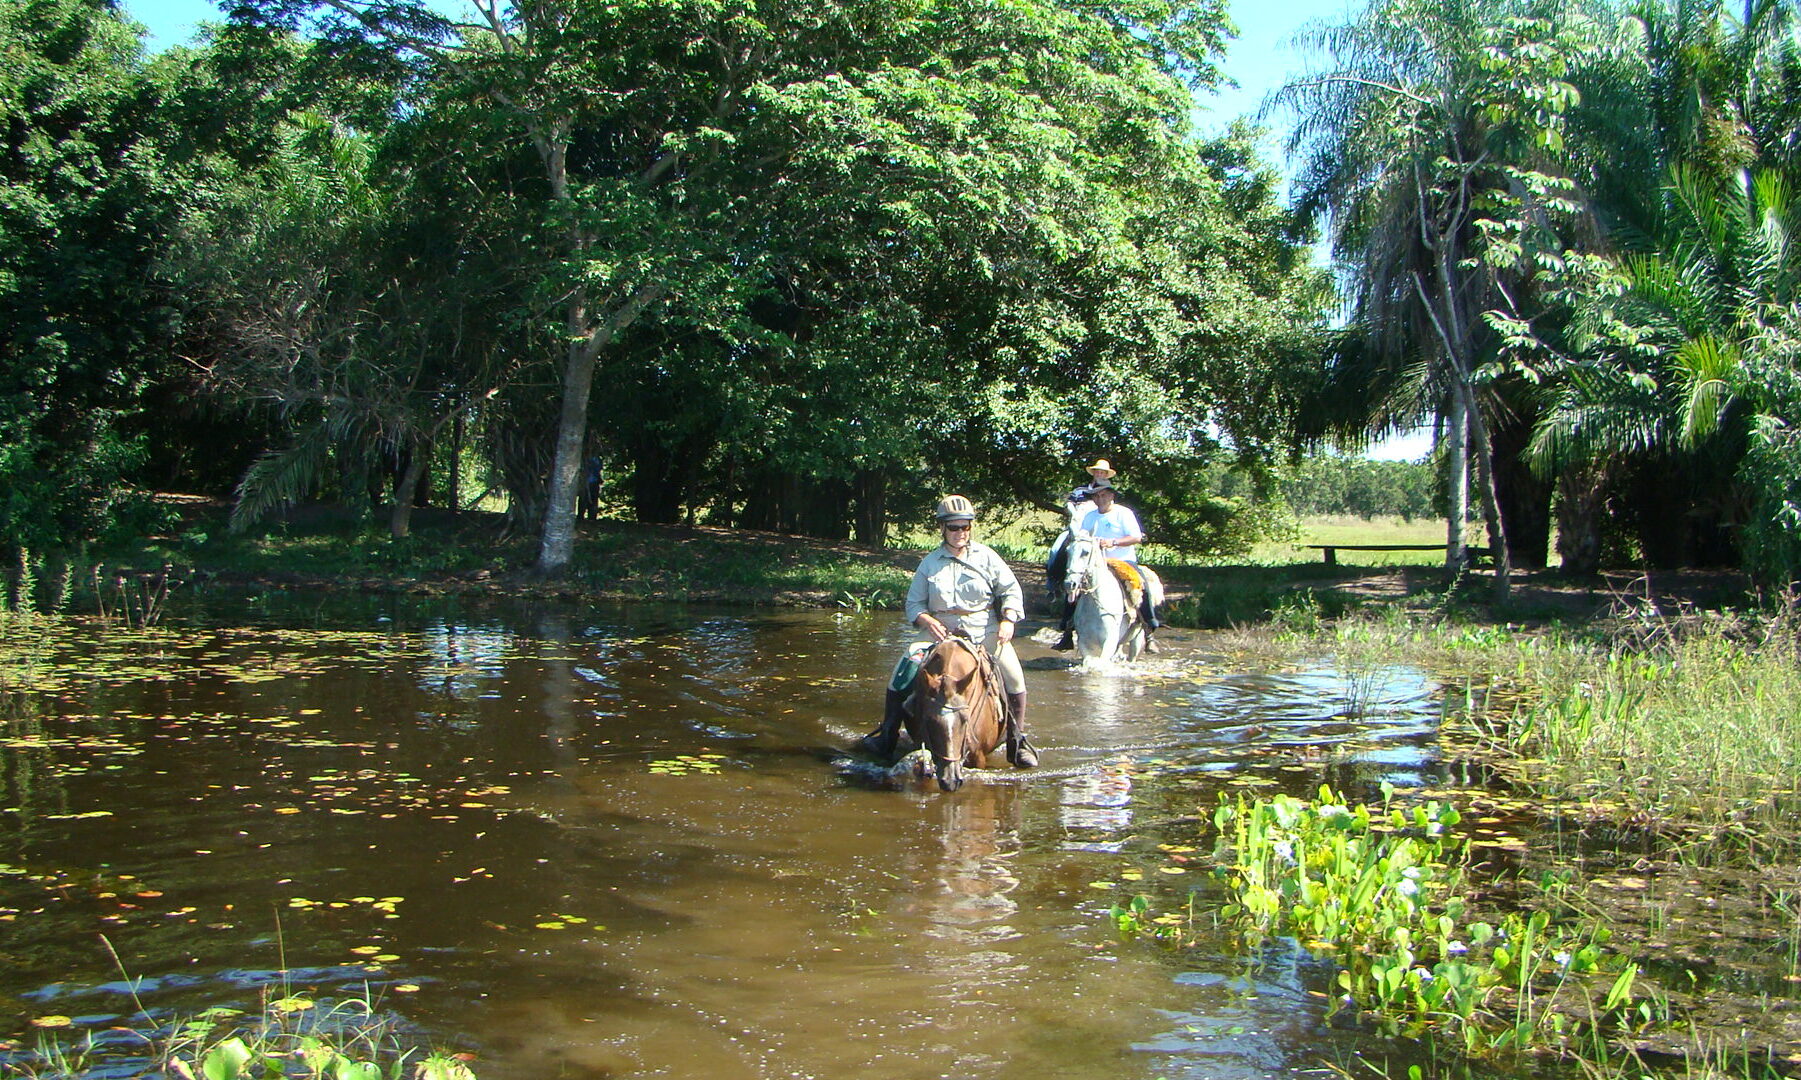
column 1131, row 635
column 1091, row 627
column 1111, row 602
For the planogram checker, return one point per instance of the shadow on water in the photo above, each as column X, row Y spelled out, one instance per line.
column 622, row 841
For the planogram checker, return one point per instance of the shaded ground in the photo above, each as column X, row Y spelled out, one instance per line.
column 474, row 553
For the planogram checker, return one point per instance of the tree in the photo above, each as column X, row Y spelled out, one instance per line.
column 346, row 302
column 1654, row 404
column 1425, row 138
column 696, row 159
column 83, row 200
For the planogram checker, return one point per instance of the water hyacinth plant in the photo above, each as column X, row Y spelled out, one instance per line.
column 1380, row 892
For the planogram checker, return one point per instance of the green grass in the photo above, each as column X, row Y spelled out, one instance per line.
column 1692, row 723
column 293, row 1037
column 1702, row 728
column 473, row 552
column 1354, row 530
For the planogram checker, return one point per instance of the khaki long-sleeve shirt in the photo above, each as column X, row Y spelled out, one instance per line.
column 963, row 592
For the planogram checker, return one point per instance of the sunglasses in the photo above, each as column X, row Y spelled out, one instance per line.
column 965, row 527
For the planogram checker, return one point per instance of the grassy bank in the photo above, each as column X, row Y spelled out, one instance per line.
column 1688, row 721
column 475, row 553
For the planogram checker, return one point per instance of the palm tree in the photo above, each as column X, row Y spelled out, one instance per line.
column 1663, row 345
column 1700, row 328
column 1409, row 138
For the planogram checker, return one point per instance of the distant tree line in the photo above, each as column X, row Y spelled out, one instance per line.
column 1359, row 486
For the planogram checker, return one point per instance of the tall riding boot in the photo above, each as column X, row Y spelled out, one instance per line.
column 1151, row 624
column 1020, row 750
column 1068, row 640
column 882, row 741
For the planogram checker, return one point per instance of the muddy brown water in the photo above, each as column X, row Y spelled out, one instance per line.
column 621, row 842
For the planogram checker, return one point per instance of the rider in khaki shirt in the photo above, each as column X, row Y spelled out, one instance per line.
column 964, row 589
column 957, row 588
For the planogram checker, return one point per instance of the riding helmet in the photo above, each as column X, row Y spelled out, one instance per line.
column 955, row 508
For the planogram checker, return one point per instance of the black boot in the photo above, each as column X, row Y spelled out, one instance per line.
column 1151, row 625
column 881, row 742
column 1020, row 750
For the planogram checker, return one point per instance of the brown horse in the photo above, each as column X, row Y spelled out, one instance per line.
column 956, row 711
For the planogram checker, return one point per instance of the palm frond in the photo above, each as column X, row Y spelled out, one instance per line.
column 279, row 478
column 1601, row 411
column 1705, row 366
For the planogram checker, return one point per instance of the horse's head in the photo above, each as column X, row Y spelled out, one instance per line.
column 948, row 686
column 1078, row 572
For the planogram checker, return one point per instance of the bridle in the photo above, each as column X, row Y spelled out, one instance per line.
column 958, row 746
column 1084, row 577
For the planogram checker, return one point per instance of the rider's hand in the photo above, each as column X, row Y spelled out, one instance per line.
column 935, row 628
column 1003, row 633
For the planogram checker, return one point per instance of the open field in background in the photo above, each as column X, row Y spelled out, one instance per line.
column 1025, row 538
column 1347, row 529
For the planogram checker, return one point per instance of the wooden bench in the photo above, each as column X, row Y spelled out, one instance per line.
column 1332, row 550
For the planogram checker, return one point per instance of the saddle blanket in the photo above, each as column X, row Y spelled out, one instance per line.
column 1129, row 579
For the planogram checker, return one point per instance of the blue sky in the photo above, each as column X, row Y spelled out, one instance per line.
column 1259, row 60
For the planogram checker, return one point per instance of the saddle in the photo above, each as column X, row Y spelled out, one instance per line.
column 907, row 670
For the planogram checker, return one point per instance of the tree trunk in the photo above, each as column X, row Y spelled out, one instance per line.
column 1457, row 481
column 871, row 520
column 1581, row 502
column 557, row 544
column 406, row 488
column 1452, row 326
column 1525, row 497
column 825, row 509
column 1483, row 455
column 587, row 336
column 662, row 474
column 453, row 488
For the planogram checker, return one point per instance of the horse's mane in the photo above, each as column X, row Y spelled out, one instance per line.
column 986, row 707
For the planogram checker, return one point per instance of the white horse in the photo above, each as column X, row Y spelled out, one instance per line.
column 1108, row 626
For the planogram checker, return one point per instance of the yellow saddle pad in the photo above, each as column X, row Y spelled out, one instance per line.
column 1129, row 579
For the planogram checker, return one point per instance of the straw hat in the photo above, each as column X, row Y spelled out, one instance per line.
column 1102, row 468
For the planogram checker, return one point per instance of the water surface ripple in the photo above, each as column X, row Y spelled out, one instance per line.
column 594, row 843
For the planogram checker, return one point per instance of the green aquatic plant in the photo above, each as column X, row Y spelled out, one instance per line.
column 292, row 1039
column 1380, row 893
